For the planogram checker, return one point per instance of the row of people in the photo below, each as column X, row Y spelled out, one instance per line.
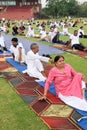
column 65, row 78
column 53, row 37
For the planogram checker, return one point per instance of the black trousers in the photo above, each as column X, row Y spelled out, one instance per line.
column 56, row 39
column 3, row 48
column 78, row 47
column 83, row 36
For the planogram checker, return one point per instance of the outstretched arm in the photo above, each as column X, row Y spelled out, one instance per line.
column 47, row 85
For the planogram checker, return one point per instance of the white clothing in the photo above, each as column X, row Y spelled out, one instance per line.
column 52, row 35
column 56, row 30
column 74, row 39
column 43, row 34
column 2, row 41
column 81, row 32
column 34, row 65
column 40, row 28
column 75, row 102
column 31, row 34
column 65, row 31
column 15, row 51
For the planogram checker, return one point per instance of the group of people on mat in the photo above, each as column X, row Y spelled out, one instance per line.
column 73, row 42
column 70, row 85
column 65, row 78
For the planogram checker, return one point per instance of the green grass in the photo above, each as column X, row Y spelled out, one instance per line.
column 14, row 113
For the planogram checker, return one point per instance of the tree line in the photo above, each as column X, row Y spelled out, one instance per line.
column 62, row 8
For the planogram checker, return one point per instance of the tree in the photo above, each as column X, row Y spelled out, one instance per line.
column 62, row 7
column 83, row 10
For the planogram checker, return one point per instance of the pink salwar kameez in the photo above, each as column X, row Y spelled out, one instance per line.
column 68, row 85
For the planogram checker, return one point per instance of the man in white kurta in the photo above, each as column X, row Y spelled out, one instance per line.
column 18, row 51
column 2, row 43
column 34, row 65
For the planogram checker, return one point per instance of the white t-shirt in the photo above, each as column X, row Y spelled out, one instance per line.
column 80, row 31
column 15, row 51
column 51, row 35
column 2, row 41
column 43, row 33
column 74, row 39
column 65, row 30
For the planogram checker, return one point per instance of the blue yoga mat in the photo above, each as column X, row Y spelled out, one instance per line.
column 16, row 64
column 43, row 48
column 8, row 53
column 83, row 122
column 51, row 89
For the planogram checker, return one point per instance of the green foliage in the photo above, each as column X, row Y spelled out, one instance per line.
column 61, row 8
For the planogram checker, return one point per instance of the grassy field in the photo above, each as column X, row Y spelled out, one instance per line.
column 14, row 113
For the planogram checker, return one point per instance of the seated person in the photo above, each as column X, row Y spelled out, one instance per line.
column 22, row 30
column 15, row 30
column 4, row 28
column 75, row 23
column 43, row 35
column 65, row 31
column 2, row 43
column 31, row 33
column 81, row 33
column 74, row 42
column 54, row 37
column 18, row 51
column 69, row 85
column 34, row 63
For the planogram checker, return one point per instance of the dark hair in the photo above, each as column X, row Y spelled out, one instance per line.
column 75, row 30
column 58, row 57
column 81, row 27
column 14, row 39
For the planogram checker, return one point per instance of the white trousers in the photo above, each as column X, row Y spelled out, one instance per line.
column 75, row 102
column 36, row 70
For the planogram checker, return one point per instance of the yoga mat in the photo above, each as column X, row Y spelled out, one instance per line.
column 51, row 89
column 5, row 54
column 16, row 64
column 39, row 106
column 43, row 48
column 83, row 122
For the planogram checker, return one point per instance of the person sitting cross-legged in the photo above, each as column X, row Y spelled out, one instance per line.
column 3, row 47
column 34, row 63
column 18, row 51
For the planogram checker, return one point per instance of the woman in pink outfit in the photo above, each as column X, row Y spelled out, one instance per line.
column 69, row 85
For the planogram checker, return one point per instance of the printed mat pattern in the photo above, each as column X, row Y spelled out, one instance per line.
column 53, row 112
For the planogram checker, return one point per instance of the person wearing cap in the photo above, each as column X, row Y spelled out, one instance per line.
column 2, row 43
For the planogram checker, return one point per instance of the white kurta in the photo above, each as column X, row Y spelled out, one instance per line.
column 2, row 41
column 15, row 51
column 34, row 65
